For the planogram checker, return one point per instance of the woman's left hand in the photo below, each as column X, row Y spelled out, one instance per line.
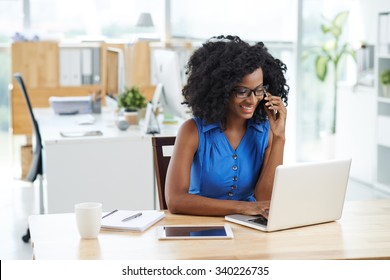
column 277, row 114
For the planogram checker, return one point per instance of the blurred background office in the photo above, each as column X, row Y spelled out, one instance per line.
column 291, row 29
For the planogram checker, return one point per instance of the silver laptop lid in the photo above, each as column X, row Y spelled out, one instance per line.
column 308, row 193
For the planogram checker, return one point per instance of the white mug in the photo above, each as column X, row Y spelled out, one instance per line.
column 88, row 219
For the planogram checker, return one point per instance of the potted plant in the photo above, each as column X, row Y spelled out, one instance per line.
column 385, row 81
column 330, row 53
column 132, row 101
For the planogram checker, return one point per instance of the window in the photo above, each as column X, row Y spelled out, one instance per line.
column 92, row 18
column 11, row 19
column 256, row 20
column 315, row 99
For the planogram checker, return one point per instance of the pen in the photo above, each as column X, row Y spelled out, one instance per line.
column 112, row 212
column 132, row 217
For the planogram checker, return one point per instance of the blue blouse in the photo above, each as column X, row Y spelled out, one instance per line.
column 219, row 171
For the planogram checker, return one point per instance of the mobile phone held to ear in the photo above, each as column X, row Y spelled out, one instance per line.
column 275, row 112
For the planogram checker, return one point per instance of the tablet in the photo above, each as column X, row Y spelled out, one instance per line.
column 195, row 232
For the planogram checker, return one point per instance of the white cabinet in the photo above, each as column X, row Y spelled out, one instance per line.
column 382, row 148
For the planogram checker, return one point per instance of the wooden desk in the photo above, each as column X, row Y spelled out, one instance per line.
column 362, row 233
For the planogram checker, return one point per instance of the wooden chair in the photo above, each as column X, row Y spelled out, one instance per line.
column 161, row 163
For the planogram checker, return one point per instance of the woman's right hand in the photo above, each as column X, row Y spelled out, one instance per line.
column 257, row 208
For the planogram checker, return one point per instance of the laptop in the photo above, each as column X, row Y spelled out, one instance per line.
column 303, row 194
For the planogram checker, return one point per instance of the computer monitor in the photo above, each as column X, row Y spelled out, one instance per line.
column 151, row 125
column 115, row 75
column 168, row 76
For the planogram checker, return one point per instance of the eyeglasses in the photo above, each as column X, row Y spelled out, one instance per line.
column 244, row 92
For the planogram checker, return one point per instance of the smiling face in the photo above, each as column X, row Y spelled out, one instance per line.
column 244, row 108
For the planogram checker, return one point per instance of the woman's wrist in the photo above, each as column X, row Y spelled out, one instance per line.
column 245, row 208
column 279, row 139
column 240, row 207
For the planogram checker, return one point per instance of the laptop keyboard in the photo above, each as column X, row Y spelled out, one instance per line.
column 259, row 220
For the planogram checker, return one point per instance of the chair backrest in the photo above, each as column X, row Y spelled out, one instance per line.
column 161, row 163
column 36, row 167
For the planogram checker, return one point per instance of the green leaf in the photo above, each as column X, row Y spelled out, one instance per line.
column 131, row 99
column 329, row 45
column 324, row 28
column 322, row 67
column 340, row 19
column 385, row 77
column 336, row 31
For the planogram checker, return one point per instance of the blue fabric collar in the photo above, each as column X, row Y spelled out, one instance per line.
column 258, row 126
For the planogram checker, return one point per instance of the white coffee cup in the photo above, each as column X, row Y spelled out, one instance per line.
column 88, row 219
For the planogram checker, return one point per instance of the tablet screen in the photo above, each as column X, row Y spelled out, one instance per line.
column 189, row 232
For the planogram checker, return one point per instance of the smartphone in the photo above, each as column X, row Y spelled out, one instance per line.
column 275, row 112
column 195, row 232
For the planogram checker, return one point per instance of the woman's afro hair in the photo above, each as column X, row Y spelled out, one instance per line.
column 219, row 65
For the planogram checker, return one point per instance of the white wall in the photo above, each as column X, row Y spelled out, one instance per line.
column 369, row 10
column 357, row 110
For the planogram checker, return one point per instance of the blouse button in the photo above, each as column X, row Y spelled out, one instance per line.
column 234, row 178
column 234, row 156
column 234, row 167
column 234, row 187
column 230, row 194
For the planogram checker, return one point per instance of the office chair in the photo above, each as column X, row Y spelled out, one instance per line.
column 36, row 168
column 161, row 163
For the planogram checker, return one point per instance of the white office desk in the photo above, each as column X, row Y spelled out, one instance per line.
column 115, row 168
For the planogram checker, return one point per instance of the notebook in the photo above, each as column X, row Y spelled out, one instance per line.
column 131, row 220
column 303, row 194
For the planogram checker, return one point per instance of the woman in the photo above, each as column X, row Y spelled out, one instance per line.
column 224, row 158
